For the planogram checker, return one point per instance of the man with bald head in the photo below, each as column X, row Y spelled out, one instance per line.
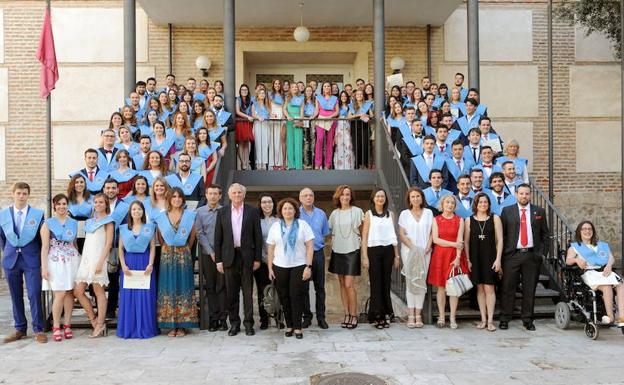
column 317, row 220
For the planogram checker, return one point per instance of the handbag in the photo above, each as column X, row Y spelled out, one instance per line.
column 457, row 284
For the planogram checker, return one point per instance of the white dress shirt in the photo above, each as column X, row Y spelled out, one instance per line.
column 23, row 212
column 528, row 225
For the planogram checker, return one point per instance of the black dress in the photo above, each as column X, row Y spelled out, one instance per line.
column 482, row 251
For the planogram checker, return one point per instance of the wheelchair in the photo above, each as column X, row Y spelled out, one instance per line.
column 578, row 302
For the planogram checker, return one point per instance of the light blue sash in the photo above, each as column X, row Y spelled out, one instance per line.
column 216, row 133
column 309, row 108
column 126, row 176
column 327, row 104
column 222, row 117
column 431, row 198
column 594, row 258
column 408, row 139
column 205, row 151
column 66, row 232
column 137, row 243
column 91, row 224
column 276, row 98
column 261, row 111
column 120, row 212
column 170, row 235
column 132, row 149
column 189, row 186
column 29, row 230
column 81, row 210
column 146, row 129
column 423, row 170
column 461, row 210
column 165, row 146
column 296, row 101
column 481, row 109
column 103, row 163
column 395, row 122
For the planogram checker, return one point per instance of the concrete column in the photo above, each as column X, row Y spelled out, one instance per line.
column 473, row 43
column 129, row 14
column 380, row 76
column 228, row 163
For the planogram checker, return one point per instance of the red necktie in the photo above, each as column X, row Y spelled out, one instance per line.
column 442, row 148
column 459, row 164
column 524, row 236
column 90, row 175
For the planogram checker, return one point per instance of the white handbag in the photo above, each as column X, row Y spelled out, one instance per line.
column 457, row 284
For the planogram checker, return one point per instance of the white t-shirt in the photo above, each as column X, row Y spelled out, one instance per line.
column 280, row 259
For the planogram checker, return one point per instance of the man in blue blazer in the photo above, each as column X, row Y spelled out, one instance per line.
column 21, row 246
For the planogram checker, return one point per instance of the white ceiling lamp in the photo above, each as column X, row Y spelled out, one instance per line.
column 301, row 34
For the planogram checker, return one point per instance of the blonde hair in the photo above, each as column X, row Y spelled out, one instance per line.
column 512, row 142
column 444, row 199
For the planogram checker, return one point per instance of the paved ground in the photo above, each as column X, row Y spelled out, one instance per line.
column 399, row 355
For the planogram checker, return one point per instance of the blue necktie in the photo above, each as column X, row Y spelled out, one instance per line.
column 18, row 222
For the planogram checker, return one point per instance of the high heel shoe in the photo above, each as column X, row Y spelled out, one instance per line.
column 56, row 334
column 68, row 332
column 99, row 331
column 352, row 325
column 346, row 321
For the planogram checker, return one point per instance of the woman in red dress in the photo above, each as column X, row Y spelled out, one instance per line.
column 447, row 233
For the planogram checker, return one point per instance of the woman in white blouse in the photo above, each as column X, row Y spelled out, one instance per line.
column 379, row 254
column 291, row 247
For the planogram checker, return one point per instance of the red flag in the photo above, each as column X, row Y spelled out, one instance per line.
column 47, row 57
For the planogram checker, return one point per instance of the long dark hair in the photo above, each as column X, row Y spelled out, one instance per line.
column 577, row 233
column 384, row 210
column 267, row 195
column 246, row 101
column 130, row 220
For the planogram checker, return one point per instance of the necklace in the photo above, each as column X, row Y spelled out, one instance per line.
column 350, row 223
column 482, row 228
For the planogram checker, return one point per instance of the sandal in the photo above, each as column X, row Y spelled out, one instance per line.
column 352, row 325
column 481, row 325
column 491, row 327
column 172, row 333
column 441, row 323
column 181, row 333
column 68, row 332
column 453, row 324
column 419, row 323
column 56, row 334
column 385, row 324
column 379, row 325
column 411, row 322
column 346, row 321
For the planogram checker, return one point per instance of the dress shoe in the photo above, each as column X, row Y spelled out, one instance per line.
column 16, row 335
column 323, row 324
column 249, row 331
column 234, row 331
column 41, row 338
column 214, row 326
column 529, row 326
column 264, row 325
column 503, row 325
column 306, row 323
column 299, row 336
column 223, row 326
column 288, row 333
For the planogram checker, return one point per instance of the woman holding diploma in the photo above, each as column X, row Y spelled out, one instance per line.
column 137, row 250
column 177, row 309
column 98, row 242
column 59, row 263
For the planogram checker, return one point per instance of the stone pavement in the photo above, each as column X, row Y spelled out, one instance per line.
column 398, row 355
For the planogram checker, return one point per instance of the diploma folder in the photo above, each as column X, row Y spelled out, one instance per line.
column 138, row 280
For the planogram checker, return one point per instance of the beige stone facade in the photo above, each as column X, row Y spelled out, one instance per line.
column 89, row 42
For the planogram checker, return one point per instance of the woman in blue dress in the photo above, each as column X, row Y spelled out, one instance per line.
column 177, row 306
column 137, row 250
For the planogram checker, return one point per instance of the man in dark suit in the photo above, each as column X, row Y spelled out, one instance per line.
column 525, row 237
column 238, row 252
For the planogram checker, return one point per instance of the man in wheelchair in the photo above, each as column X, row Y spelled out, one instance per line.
column 596, row 260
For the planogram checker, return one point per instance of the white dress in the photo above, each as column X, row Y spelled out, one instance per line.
column 63, row 262
column 91, row 252
column 418, row 232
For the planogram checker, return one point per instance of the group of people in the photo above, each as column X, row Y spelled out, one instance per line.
column 146, row 197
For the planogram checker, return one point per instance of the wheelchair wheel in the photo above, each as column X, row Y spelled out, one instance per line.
column 562, row 315
column 591, row 330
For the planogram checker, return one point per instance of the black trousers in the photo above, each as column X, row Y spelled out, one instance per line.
column 318, row 277
column 290, row 289
column 525, row 266
column 239, row 276
column 113, row 291
column 360, row 136
column 215, row 290
column 380, row 272
column 261, row 276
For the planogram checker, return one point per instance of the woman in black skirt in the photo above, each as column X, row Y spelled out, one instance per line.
column 345, row 224
column 483, row 235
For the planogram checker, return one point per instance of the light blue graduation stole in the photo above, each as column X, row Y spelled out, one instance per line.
column 432, row 199
column 63, row 232
column 188, row 187
column 600, row 257
column 103, row 163
column 296, row 101
column 327, row 104
column 276, row 98
column 247, row 110
column 423, row 170
column 146, row 129
column 448, row 152
column 392, row 122
column 520, row 163
column 98, row 179
column 132, row 149
column 408, row 103
column 408, row 139
column 205, row 151
column 126, row 176
column 92, row 224
column 131, row 198
column 486, row 177
column 496, row 207
column 222, row 117
column 456, row 110
column 261, row 111
column 481, row 109
column 133, row 129
column 197, row 124
column 199, row 96
column 461, row 210
column 463, row 94
column 148, row 175
column 452, row 136
column 170, row 235
column 164, row 146
column 455, row 171
column 343, row 111
column 216, row 133
column 120, row 212
column 438, row 102
column 81, row 210
column 138, row 161
column 137, row 243
column 309, row 108
column 179, row 142
column 29, row 229
column 423, row 120
column 368, row 105
column 463, row 124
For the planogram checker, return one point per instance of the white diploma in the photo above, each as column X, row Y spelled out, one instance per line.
column 81, row 229
column 138, row 280
column 394, row 80
column 192, row 205
column 495, row 144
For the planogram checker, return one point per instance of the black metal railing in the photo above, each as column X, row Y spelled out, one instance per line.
column 561, row 234
column 304, row 144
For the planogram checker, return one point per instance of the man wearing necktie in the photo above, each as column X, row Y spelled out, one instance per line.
column 525, row 242
column 107, row 162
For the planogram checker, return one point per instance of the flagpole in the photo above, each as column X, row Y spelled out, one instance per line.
column 49, row 146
